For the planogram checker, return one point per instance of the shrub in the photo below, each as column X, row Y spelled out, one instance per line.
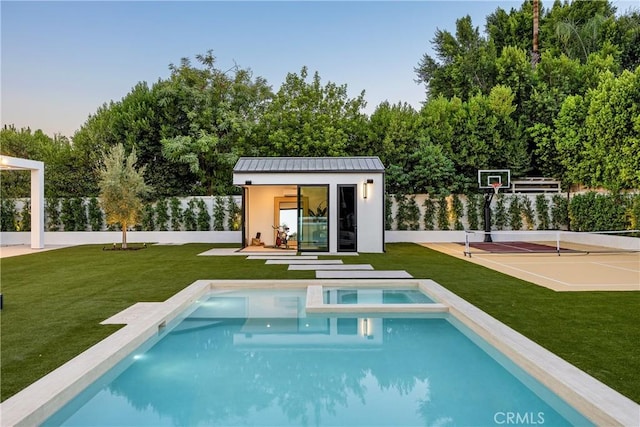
column 458, row 212
column 189, row 216
column 67, row 216
column 413, row 214
column 96, row 218
column 429, row 213
column 218, row 214
column 559, row 212
column 443, row 213
column 176, row 213
column 204, row 219
column 148, row 217
column 401, row 212
column 598, row 212
column 542, row 212
column 472, row 211
column 515, row 215
column 500, row 217
column 234, row 214
column 388, row 213
column 527, row 213
column 8, row 215
column 634, row 212
column 162, row 217
column 79, row 214
column 52, row 213
column 25, row 217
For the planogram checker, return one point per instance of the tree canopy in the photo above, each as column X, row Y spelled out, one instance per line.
column 572, row 116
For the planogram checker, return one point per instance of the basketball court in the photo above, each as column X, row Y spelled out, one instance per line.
column 543, row 257
column 577, row 268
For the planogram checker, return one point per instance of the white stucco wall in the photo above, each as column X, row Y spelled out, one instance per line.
column 370, row 217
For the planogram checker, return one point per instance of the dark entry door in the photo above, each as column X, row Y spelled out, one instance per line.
column 347, row 219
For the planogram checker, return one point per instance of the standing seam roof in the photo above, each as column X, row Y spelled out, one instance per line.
column 308, row 164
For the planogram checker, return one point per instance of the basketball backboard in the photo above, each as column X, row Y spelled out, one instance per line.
column 488, row 177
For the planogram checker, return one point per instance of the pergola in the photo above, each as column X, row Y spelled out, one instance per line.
column 37, row 194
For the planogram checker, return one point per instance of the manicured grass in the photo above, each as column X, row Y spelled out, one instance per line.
column 55, row 300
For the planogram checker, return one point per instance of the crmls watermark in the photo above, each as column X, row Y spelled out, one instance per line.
column 519, row 418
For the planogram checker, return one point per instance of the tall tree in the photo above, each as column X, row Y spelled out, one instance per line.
column 121, row 189
column 464, row 64
column 307, row 118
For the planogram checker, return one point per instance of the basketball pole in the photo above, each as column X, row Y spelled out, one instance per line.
column 488, row 196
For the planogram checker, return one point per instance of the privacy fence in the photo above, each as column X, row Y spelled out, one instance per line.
column 588, row 211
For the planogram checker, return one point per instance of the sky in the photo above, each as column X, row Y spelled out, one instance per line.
column 60, row 61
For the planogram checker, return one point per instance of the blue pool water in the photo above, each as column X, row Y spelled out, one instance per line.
column 255, row 358
column 375, row 296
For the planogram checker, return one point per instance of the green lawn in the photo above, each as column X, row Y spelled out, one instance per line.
column 55, row 300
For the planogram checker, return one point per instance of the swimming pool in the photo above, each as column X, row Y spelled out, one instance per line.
column 299, row 364
column 375, row 296
column 256, row 358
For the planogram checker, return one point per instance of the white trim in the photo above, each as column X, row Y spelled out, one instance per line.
column 37, row 194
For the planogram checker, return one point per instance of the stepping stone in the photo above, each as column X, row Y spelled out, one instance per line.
column 222, row 252
column 282, row 257
column 360, row 274
column 331, row 267
column 301, row 261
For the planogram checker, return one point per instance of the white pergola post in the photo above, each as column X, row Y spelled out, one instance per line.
column 37, row 194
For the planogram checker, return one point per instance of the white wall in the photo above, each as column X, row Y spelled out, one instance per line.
column 370, row 211
column 108, row 237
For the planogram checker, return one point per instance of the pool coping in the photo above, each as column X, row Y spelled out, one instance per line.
column 597, row 401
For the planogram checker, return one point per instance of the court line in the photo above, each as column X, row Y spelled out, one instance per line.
column 529, row 272
column 619, row 268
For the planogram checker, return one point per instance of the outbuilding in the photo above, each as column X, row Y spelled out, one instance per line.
column 312, row 204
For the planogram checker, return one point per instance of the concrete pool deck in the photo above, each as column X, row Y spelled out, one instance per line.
column 34, row 404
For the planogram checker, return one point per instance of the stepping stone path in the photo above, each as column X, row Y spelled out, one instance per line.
column 332, row 268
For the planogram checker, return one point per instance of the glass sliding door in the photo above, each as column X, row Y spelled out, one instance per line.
column 347, row 225
column 313, row 225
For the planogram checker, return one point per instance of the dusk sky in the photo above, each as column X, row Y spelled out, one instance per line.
column 61, row 60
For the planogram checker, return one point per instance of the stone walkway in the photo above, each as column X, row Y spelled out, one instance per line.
column 324, row 268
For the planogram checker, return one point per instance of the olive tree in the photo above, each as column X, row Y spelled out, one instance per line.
column 121, row 189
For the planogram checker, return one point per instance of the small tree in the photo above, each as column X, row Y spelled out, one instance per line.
column 458, row 212
column 79, row 214
column 52, row 214
column 148, row 217
column 204, row 219
column 500, row 216
column 25, row 217
column 121, row 189
column 388, row 212
column 472, row 211
column 527, row 213
column 429, row 213
column 515, row 214
column 189, row 216
column 219, row 214
column 162, row 217
column 176, row 213
column 542, row 212
column 443, row 213
column 233, row 220
column 413, row 213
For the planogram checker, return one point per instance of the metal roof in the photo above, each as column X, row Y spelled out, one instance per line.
column 308, row 164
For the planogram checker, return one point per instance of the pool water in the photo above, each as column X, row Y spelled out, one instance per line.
column 255, row 358
column 375, row 296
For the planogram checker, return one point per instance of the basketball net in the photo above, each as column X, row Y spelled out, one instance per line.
column 496, row 186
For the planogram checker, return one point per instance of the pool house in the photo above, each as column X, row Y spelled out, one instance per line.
column 323, row 204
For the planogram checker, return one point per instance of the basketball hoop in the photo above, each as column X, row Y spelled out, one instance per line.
column 496, row 186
